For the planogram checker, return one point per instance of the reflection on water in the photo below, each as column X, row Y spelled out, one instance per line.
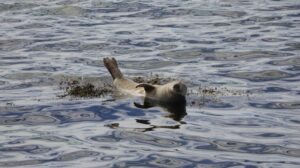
column 176, row 110
column 239, row 58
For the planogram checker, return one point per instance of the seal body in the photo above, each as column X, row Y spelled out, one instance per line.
column 170, row 92
column 128, row 86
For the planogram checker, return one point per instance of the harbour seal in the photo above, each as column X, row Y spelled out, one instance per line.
column 172, row 92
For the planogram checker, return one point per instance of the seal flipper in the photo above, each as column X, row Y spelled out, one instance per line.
column 148, row 88
column 112, row 66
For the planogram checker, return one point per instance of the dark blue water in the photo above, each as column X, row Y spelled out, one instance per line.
column 239, row 58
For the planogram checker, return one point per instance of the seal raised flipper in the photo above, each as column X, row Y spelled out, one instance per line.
column 112, row 66
column 122, row 83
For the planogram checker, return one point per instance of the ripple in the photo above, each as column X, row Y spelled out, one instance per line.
column 105, row 139
column 16, row 6
column 87, row 24
column 64, row 10
column 295, row 121
column 172, row 25
column 124, row 32
column 78, row 114
column 83, row 60
column 148, row 64
column 26, row 75
column 93, row 46
column 283, row 8
column 169, row 12
column 145, row 44
column 211, row 163
column 10, row 20
column 256, row 19
column 27, row 120
column 294, row 15
column 199, row 42
column 294, row 68
column 182, row 54
column 255, row 35
column 18, row 86
column 8, row 63
column 260, row 76
column 270, row 39
column 13, row 57
column 218, row 105
column 235, row 56
column 33, row 149
column 155, row 160
column 44, row 68
column 270, row 89
column 162, row 161
column 51, row 138
column 108, row 158
column 21, row 163
column 74, row 116
column 65, row 157
column 295, row 46
column 251, row 122
column 76, row 155
column 122, row 6
column 275, row 89
column 224, row 65
column 33, row 26
column 235, row 39
column 144, row 138
column 127, row 42
column 14, row 44
column 277, row 105
column 166, row 47
column 280, row 24
column 270, row 135
column 125, row 50
column 241, row 147
column 165, row 39
column 221, row 24
column 289, row 61
column 67, row 46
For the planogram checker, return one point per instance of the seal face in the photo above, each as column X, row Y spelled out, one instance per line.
column 171, row 92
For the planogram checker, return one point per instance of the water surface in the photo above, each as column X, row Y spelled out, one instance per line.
column 248, row 51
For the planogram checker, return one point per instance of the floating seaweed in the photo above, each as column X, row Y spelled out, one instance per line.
column 211, row 95
column 79, row 88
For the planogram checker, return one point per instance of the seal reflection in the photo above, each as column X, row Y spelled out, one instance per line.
column 175, row 108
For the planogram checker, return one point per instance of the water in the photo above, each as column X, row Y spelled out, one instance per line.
column 247, row 50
